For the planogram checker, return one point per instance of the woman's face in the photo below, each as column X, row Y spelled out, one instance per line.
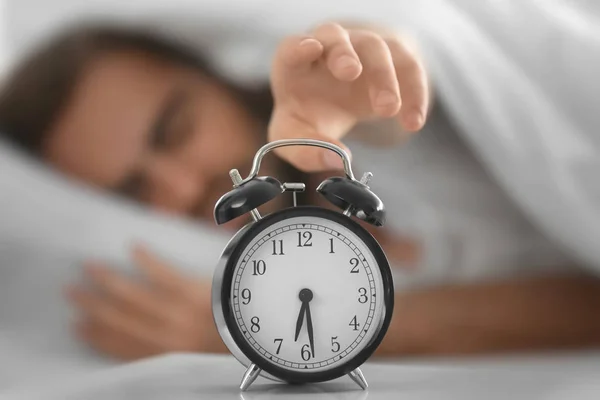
column 154, row 130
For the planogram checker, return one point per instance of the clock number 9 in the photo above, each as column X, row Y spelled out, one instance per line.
column 260, row 267
column 246, row 296
column 255, row 328
column 362, row 298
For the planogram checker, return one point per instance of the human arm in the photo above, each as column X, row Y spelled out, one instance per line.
column 552, row 312
column 120, row 318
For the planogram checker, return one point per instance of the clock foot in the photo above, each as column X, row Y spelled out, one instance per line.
column 358, row 377
column 249, row 376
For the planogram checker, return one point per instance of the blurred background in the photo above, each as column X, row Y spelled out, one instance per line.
column 119, row 122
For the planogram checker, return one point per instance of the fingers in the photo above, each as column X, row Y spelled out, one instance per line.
column 167, row 278
column 307, row 159
column 413, row 82
column 129, row 319
column 331, row 42
column 112, row 343
column 379, row 72
column 157, row 271
column 104, row 312
column 340, row 56
column 298, row 52
column 126, row 293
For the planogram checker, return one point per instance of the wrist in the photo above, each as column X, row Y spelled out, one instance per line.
column 313, row 119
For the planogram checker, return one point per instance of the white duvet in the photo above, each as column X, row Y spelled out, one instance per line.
column 518, row 77
column 48, row 225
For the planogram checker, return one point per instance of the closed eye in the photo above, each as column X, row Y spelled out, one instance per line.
column 135, row 186
column 173, row 124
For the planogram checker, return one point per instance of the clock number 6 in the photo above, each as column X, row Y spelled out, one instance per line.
column 305, row 352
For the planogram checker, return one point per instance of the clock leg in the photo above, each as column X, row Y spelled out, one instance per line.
column 249, row 376
column 358, row 377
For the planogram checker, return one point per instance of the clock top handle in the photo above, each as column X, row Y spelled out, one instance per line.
column 352, row 196
column 263, row 151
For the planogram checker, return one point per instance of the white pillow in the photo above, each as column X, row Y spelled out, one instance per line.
column 48, row 225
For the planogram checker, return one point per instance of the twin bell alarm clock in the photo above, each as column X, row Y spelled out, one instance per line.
column 304, row 294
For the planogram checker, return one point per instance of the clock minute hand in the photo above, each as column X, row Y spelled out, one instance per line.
column 309, row 328
column 300, row 320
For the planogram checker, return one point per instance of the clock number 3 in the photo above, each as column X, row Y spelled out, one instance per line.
column 362, row 298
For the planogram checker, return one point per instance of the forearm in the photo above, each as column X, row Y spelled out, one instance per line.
column 554, row 312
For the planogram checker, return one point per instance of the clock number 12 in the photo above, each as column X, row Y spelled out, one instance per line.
column 307, row 236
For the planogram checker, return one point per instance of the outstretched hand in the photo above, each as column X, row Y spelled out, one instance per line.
column 326, row 82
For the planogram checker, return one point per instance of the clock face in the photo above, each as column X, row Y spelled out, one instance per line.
column 307, row 293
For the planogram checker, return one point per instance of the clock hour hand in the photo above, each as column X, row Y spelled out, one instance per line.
column 305, row 297
column 300, row 320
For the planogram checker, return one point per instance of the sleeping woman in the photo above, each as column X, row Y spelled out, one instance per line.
column 145, row 118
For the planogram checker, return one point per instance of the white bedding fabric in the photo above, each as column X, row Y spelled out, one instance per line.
column 48, row 226
column 518, row 77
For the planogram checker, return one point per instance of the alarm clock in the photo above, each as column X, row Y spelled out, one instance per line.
column 304, row 294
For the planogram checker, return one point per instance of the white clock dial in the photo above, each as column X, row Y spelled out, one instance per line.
column 307, row 276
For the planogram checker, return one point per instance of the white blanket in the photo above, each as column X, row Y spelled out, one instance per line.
column 48, row 225
column 519, row 77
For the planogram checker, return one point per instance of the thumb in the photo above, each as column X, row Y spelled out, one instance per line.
column 306, row 158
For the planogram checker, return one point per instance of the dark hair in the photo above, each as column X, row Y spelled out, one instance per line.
column 40, row 87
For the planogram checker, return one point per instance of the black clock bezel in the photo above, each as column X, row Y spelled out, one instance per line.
column 253, row 355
